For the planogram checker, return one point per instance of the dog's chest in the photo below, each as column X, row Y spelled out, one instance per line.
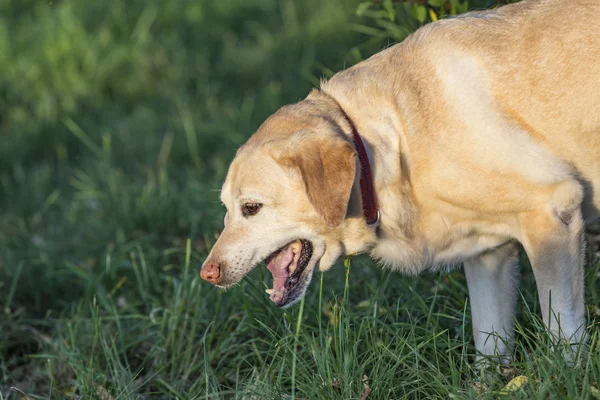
column 437, row 248
column 462, row 249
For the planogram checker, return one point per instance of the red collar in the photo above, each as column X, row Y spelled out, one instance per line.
column 369, row 200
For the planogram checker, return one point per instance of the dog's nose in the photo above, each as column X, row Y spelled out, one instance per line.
column 211, row 272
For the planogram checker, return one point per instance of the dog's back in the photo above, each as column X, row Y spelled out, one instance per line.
column 545, row 71
column 527, row 75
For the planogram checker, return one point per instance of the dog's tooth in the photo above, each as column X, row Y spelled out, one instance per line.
column 270, row 291
column 296, row 246
column 293, row 267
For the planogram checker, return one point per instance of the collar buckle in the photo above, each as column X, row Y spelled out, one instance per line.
column 375, row 223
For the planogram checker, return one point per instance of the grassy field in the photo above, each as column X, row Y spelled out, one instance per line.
column 117, row 123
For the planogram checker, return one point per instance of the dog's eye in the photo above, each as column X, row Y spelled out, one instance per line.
column 251, row 209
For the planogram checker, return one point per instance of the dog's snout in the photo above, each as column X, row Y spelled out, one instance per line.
column 211, row 272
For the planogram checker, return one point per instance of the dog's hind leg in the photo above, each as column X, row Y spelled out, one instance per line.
column 553, row 238
column 492, row 279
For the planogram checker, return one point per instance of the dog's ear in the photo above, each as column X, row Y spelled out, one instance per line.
column 327, row 168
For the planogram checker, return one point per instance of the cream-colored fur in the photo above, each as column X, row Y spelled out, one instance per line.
column 482, row 131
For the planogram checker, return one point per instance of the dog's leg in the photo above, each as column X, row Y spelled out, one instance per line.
column 493, row 279
column 554, row 242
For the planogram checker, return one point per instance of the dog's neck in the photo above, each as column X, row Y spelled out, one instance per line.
column 399, row 219
column 370, row 205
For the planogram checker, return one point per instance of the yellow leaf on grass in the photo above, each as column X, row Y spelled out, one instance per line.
column 595, row 392
column 103, row 393
column 432, row 15
column 514, row 385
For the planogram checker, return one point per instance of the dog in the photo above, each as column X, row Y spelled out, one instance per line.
column 474, row 136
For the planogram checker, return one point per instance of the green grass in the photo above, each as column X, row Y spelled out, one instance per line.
column 117, row 126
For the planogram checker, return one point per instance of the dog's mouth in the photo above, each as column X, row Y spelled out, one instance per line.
column 287, row 266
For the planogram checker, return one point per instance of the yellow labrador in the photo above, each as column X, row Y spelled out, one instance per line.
column 481, row 133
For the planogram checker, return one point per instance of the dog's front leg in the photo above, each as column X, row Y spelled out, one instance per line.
column 492, row 279
column 554, row 241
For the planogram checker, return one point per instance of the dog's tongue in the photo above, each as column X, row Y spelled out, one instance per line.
column 279, row 268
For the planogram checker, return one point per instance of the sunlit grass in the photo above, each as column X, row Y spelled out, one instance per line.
column 188, row 340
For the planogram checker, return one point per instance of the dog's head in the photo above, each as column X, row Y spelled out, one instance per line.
column 287, row 193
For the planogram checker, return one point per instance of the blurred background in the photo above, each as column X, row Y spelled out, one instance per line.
column 117, row 122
